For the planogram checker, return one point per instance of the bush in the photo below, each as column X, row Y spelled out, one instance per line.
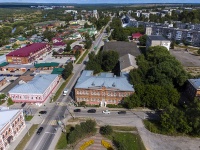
column 114, row 106
column 10, row 102
column 80, row 131
column 106, row 130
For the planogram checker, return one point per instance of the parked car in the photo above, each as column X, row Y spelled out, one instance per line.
column 106, row 112
column 122, row 112
column 91, row 111
column 23, row 104
column 77, row 110
column 39, row 130
column 42, row 112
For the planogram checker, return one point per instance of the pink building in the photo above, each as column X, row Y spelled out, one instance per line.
column 56, row 40
column 35, row 91
column 11, row 125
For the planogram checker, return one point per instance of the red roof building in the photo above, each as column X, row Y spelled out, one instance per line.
column 56, row 40
column 28, row 53
column 136, row 36
column 59, row 44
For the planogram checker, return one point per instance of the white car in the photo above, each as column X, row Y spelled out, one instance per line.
column 106, row 112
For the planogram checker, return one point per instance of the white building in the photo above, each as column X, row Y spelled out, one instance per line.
column 11, row 125
column 157, row 40
column 35, row 91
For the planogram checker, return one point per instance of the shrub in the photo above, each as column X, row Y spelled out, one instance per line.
column 114, row 106
column 106, row 130
column 10, row 102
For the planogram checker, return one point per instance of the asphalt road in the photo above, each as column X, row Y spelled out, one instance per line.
column 43, row 141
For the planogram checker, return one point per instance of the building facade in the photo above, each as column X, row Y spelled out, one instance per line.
column 156, row 40
column 11, row 125
column 35, row 91
column 102, row 89
column 193, row 88
column 27, row 54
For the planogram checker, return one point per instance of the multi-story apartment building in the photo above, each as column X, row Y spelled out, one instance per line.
column 102, row 89
column 27, row 54
column 11, row 125
column 182, row 32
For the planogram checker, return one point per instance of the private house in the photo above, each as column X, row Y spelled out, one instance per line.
column 27, row 54
column 35, row 91
column 157, row 40
column 102, row 89
column 127, row 63
column 12, row 124
column 77, row 48
column 56, row 40
column 136, row 36
column 59, row 45
column 193, row 88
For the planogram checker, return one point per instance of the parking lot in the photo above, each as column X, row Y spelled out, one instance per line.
column 187, row 59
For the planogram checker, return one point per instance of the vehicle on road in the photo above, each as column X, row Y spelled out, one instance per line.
column 39, row 130
column 23, row 104
column 122, row 112
column 65, row 91
column 43, row 112
column 106, row 112
column 77, row 110
column 91, row 111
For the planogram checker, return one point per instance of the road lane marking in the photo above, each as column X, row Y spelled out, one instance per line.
column 39, row 141
column 42, row 121
column 49, row 132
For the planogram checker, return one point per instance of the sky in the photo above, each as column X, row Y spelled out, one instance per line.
column 102, row 1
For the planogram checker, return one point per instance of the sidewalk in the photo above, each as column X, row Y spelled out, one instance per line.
column 18, row 139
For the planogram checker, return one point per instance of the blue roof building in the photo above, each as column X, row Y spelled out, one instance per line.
column 105, row 88
column 36, row 90
column 193, row 88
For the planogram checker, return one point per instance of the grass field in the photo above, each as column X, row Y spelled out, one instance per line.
column 127, row 141
column 28, row 118
column 60, row 90
column 26, row 138
column 124, row 128
column 82, row 57
column 62, row 142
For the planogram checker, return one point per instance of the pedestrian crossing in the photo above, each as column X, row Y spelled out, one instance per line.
column 62, row 104
column 52, row 122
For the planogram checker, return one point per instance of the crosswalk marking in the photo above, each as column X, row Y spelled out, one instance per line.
column 62, row 104
column 53, row 122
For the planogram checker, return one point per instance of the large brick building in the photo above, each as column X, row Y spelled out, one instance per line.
column 102, row 89
column 27, row 54
column 11, row 124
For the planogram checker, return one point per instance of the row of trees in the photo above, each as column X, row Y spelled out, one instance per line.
column 156, row 80
column 104, row 60
column 80, row 131
column 67, row 71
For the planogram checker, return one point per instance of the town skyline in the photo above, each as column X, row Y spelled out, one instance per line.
column 99, row 1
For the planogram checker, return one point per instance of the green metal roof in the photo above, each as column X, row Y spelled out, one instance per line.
column 57, row 71
column 51, row 64
column 4, row 64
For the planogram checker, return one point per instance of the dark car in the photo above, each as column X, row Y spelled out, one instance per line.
column 23, row 104
column 43, row 112
column 122, row 112
column 91, row 111
column 39, row 130
column 77, row 110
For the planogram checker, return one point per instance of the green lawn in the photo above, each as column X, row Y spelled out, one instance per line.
column 28, row 118
column 27, row 137
column 62, row 87
column 62, row 142
column 82, row 57
column 127, row 141
column 124, row 128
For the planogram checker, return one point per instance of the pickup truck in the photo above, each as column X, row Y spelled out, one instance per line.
column 106, row 112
